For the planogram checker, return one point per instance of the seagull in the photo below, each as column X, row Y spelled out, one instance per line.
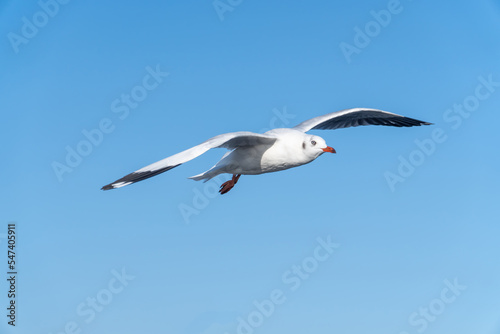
column 275, row 150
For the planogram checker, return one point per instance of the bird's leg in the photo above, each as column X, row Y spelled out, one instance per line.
column 228, row 185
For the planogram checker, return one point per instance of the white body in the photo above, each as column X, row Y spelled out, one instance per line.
column 292, row 148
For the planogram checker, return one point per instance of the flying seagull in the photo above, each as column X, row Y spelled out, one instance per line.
column 278, row 149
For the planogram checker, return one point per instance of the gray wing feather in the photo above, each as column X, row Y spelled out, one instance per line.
column 356, row 117
column 228, row 140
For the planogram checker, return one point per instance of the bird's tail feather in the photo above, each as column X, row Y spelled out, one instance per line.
column 200, row 177
column 205, row 176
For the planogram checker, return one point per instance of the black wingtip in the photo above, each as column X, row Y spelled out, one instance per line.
column 136, row 177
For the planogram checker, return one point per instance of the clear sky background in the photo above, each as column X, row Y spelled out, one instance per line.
column 198, row 263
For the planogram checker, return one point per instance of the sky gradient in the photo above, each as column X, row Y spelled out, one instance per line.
column 396, row 233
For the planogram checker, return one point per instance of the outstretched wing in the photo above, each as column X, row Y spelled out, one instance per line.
column 228, row 140
column 356, row 117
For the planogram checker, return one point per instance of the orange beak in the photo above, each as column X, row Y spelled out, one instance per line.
column 329, row 149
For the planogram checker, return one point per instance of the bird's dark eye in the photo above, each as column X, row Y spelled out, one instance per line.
column 313, row 142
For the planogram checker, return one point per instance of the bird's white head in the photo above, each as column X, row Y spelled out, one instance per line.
column 315, row 146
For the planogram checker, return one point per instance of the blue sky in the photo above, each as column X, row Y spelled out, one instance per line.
column 412, row 212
